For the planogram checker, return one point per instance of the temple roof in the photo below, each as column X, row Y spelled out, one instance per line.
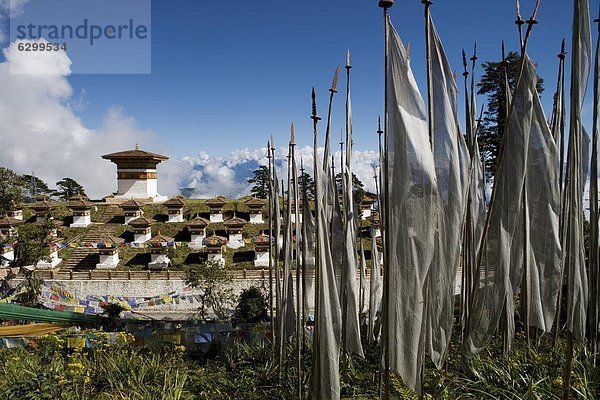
column 55, row 222
column 141, row 222
column 133, row 203
column 175, row 202
column 9, row 221
column 199, row 222
column 79, row 201
column 41, row 206
column 254, row 202
column 215, row 240
column 235, row 221
column 262, row 239
column 161, row 239
column 135, row 155
column 369, row 198
column 215, row 202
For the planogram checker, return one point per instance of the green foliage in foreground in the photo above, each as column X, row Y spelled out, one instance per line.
column 248, row 372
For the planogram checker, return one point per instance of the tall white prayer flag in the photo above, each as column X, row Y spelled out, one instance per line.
column 574, row 247
column 452, row 170
column 501, row 270
column 375, row 289
column 328, row 314
column 412, row 217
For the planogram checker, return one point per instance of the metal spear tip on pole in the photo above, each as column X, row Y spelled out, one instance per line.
column 519, row 20
column 348, row 65
column 474, row 58
column 292, row 136
column 314, row 115
column 385, row 4
column 562, row 53
column 532, row 21
column 336, row 75
column 379, row 125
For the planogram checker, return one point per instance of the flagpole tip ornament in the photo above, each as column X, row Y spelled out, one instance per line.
column 348, row 65
column 379, row 131
column 562, row 55
column 336, row 75
column 293, row 136
column 385, row 4
column 426, row 3
column 314, row 115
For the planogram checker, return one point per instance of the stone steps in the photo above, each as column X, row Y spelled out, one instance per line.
column 85, row 258
column 110, row 215
column 82, row 258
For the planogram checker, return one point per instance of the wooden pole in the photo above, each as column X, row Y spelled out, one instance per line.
column 427, row 4
column 386, row 4
column 272, row 316
column 303, row 257
column 316, row 348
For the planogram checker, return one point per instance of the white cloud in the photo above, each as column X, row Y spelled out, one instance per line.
column 208, row 176
column 40, row 132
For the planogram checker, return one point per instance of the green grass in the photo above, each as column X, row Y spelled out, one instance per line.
column 248, row 371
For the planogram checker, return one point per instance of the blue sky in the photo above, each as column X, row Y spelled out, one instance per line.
column 225, row 75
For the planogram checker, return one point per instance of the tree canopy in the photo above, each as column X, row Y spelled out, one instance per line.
column 68, row 187
column 211, row 279
column 260, row 182
column 357, row 187
column 492, row 126
column 11, row 190
column 34, row 186
column 305, row 180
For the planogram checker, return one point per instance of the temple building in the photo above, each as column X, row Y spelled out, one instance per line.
column 214, row 248
column 8, row 226
column 159, row 255
column 132, row 209
column 175, row 209
column 142, row 229
column 367, row 205
column 41, row 207
column 136, row 175
column 197, row 229
column 216, row 205
column 81, row 209
column 256, row 206
column 261, row 249
column 52, row 261
column 234, row 229
column 109, row 252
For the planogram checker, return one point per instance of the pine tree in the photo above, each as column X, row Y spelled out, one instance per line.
column 494, row 119
column 260, row 182
column 11, row 190
column 305, row 180
column 67, row 188
column 357, row 187
column 34, row 186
